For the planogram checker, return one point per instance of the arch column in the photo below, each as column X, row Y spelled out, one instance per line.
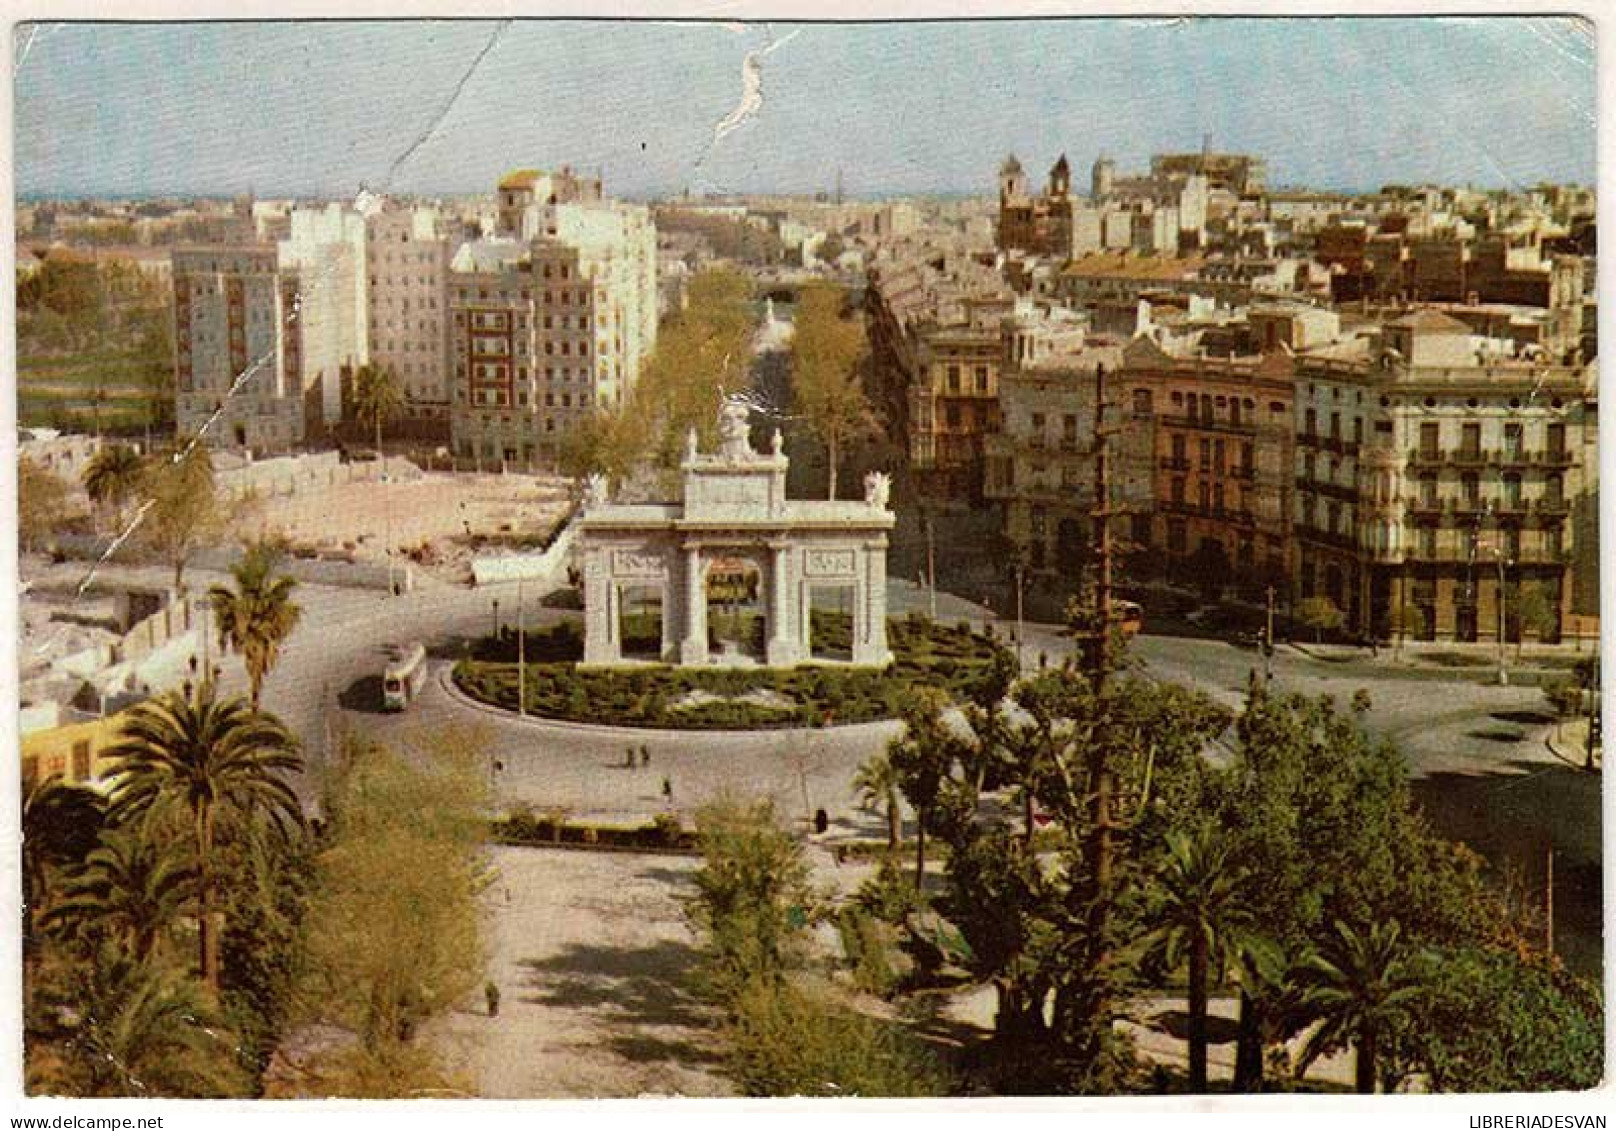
column 785, row 640
column 693, row 648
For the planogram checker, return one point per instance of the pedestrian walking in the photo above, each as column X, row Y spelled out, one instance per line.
column 667, row 788
column 645, row 755
column 491, row 995
column 628, row 758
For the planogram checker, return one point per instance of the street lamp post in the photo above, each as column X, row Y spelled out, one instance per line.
column 1021, row 625
column 496, row 620
column 1503, row 652
column 521, row 652
column 1268, row 640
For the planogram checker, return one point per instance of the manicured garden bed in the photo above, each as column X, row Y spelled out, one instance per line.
column 951, row 658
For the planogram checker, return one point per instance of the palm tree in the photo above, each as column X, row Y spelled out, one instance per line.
column 1357, row 984
column 113, row 476
column 1201, row 916
column 218, row 759
column 118, row 1027
column 878, row 784
column 61, row 826
column 257, row 616
column 130, row 890
column 377, row 397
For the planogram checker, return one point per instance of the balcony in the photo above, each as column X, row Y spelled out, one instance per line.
column 1468, row 507
column 1469, row 457
column 1172, row 463
column 1248, row 473
column 1426, row 507
column 1427, row 457
column 1555, row 507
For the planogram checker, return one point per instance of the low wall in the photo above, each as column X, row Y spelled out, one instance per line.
column 550, row 565
column 291, row 475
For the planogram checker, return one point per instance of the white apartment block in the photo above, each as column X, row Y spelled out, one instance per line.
column 325, row 260
column 548, row 328
column 234, row 382
column 408, row 265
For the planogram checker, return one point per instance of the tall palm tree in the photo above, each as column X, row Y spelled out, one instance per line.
column 113, row 476
column 130, row 890
column 118, row 1027
column 1201, row 917
column 877, row 783
column 257, row 616
column 1357, row 984
column 219, row 759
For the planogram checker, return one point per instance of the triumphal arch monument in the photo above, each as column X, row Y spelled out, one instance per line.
column 735, row 573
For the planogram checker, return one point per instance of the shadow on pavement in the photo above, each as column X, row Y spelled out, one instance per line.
column 363, row 694
column 637, row 985
column 1176, row 1023
column 1512, row 819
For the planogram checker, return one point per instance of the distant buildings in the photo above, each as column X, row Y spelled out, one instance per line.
column 407, row 264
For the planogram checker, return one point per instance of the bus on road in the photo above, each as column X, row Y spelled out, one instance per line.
column 404, row 676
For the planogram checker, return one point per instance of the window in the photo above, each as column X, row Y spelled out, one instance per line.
column 1430, row 439
column 1471, row 483
column 1470, row 440
column 1512, row 492
column 1178, row 490
column 1310, row 423
column 1205, row 447
column 1557, row 440
column 953, row 378
column 1177, row 536
column 981, row 378
column 1069, row 428
column 1180, row 459
column 1204, row 494
column 952, row 414
column 1141, row 402
column 1553, row 539
column 1428, row 542
column 1512, row 542
column 1428, row 490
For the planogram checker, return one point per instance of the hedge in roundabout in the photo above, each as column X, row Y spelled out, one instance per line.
column 950, row 657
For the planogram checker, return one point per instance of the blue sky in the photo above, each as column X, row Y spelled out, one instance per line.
column 320, row 108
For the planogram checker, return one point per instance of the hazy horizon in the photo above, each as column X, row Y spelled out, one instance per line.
column 444, row 107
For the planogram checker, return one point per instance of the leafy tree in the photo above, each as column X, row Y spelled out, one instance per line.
column 113, row 477
column 42, row 503
column 1361, row 984
column 257, row 616
column 181, row 506
column 751, row 896
column 1491, row 1022
column 923, row 757
column 878, row 784
column 117, row 1027
column 1197, row 905
column 130, row 891
column 391, row 933
column 1321, row 615
column 828, row 357
column 218, row 760
column 1536, row 612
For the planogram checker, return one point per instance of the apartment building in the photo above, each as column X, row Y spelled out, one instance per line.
column 407, row 265
column 322, row 263
column 547, row 329
column 238, row 363
column 1437, row 480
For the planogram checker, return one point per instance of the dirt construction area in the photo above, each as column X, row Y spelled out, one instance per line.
column 592, row 957
column 436, row 521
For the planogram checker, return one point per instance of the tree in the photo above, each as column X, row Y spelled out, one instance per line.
column 181, row 507
column 1198, row 908
column 219, row 760
column 828, row 357
column 923, row 757
column 1321, row 615
column 1360, row 984
column 129, row 891
column 1537, row 614
column 61, row 826
column 877, row 783
column 258, row 615
column 391, row 934
column 113, row 477
column 42, row 499
column 118, row 1027
column 1491, row 1021
column 377, row 397
column 752, row 896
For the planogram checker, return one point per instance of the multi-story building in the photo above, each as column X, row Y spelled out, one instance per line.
column 322, row 261
column 1221, row 447
column 238, row 359
column 547, row 329
column 408, row 267
column 1441, row 475
column 937, row 346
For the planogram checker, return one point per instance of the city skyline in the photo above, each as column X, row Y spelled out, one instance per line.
column 442, row 107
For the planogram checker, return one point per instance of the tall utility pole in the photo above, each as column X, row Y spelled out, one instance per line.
column 1548, row 905
column 931, row 565
column 1503, row 651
